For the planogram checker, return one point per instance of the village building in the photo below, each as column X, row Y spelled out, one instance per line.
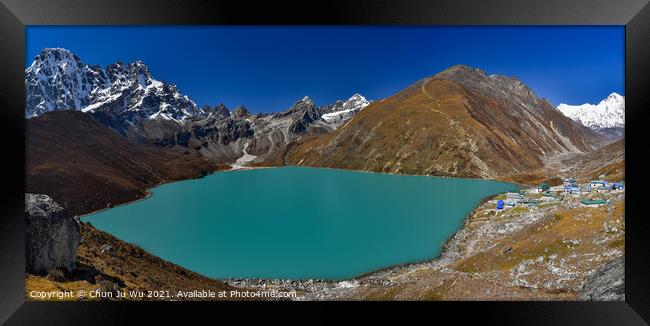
column 528, row 203
column 543, row 187
column 568, row 181
column 515, row 196
column 593, row 202
column 558, row 188
column 549, row 196
column 573, row 189
column 596, row 184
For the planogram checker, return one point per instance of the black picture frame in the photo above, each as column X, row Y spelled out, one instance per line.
column 16, row 14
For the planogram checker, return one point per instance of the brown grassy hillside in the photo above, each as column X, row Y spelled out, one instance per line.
column 84, row 166
column 607, row 163
column 456, row 123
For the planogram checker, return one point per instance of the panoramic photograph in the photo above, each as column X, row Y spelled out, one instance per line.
column 325, row 163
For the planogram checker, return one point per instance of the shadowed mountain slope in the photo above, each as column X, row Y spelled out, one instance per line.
column 84, row 166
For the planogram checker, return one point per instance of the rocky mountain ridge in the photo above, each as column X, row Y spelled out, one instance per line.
column 127, row 99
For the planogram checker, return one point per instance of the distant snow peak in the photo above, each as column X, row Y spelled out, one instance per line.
column 341, row 111
column 615, row 97
column 358, row 100
column 55, row 56
column 609, row 113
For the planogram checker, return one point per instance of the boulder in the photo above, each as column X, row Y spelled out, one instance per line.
column 51, row 235
column 606, row 284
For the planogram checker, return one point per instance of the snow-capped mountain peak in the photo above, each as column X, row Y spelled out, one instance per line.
column 606, row 117
column 307, row 100
column 356, row 101
column 609, row 113
column 59, row 57
column 341, row 111
column 615, row 101
column 58, row 80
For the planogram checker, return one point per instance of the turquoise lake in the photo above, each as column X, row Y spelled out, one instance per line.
column 297, row 223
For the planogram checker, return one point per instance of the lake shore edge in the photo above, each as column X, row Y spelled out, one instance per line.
column 250, row 282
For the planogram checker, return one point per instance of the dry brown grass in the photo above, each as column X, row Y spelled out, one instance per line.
column 487, row 274
column 544, row 239
column 125, row 267
column 435, row 132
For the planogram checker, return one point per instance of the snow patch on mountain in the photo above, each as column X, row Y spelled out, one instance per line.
column 341, row 111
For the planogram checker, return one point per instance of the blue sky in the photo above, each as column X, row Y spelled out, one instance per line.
column 267, row 68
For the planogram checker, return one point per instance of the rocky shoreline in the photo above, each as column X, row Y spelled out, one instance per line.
column 320, row 289
column 548, row 276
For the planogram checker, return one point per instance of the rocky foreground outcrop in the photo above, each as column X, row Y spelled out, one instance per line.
column 107, row 265
column 51, row 235
column 606, row 284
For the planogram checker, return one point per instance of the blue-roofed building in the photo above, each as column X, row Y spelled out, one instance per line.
column 500, row 204
column 573, row 189
column 618, row 186
column 568, row 181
